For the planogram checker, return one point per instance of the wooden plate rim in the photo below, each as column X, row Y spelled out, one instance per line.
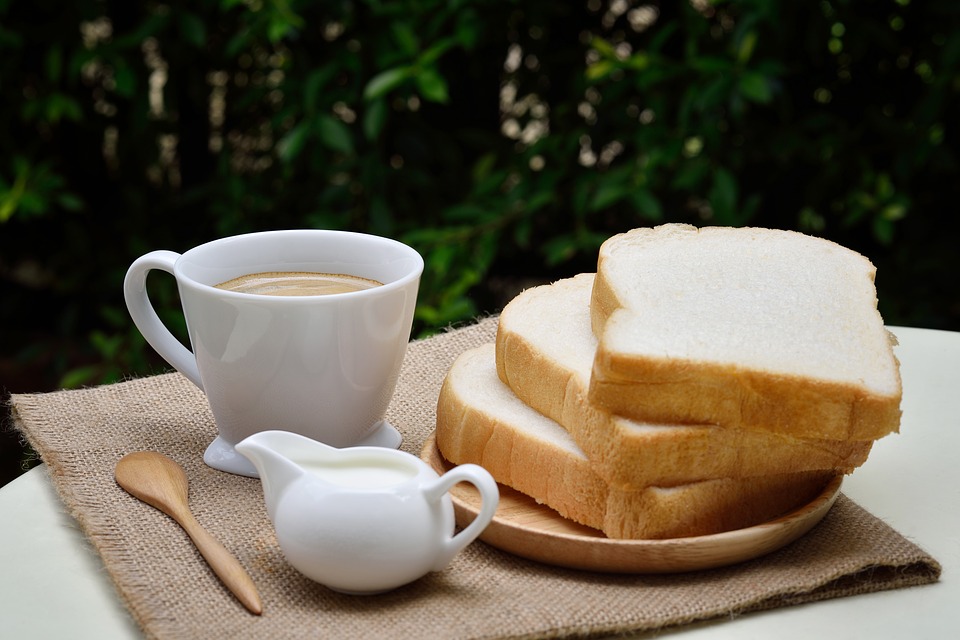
column 673, row 555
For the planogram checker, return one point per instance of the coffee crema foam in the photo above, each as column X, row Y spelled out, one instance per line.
column 297, row 283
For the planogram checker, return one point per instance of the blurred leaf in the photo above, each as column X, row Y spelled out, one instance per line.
column 704, row 98
column 811, row 221
column 755, row 87
column 381, row 216
column 464, row 212
column 884, row 186
column 80, row 376
column 894, row 211
column 374, row 119
column 487, row 181
column 153, row 24
column 114, row 316
column 435, row 52
column 581, row 197
column 608, row 194
column 638, row 61
column 70, row 202
column 538, row 201
column 523, row 232
column 278, row 30
column 452, row 310
column 290, row 145
column 238, row 42
column 747, row 45
column 125, row 81
column 483, row 167
column 723, row 196
column 883, row 230
column 10, row 196
column 600, row 69
column 282, row 22
column 469, row 28
column 32, row 203
column 432, row 86
column 646, row 205
column 690, row 175
column 8, row 206
column 711, row 64
column 663, row 34
column 406, row 38
column 334, row 134
column 559, row 250
column 385, row 82
column 603, row 47
column 107, row 345
column 314, row 86
column 770, row 68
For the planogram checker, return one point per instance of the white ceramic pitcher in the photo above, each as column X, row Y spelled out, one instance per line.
column 362, row 519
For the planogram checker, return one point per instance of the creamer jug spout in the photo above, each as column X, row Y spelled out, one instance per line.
column 274, row 454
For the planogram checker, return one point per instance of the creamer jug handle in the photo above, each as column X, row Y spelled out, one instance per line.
column 489, row 499
column 146, row 318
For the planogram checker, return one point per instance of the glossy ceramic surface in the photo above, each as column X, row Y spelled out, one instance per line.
column 322, row 366
column 363, row 519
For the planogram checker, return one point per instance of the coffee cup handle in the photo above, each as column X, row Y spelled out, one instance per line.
column 489, row 499
column 145, row 316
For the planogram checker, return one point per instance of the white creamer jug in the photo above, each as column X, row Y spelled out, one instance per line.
column 362, row 519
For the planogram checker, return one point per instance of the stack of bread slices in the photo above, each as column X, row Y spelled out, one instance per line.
column 702, row 380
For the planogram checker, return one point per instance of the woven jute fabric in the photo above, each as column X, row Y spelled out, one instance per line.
column 484, row 593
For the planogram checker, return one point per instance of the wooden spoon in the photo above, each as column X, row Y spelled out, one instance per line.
column 162, row 483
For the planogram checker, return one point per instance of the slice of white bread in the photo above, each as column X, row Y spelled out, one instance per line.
column 480, row 421
column 748, row 327
column 545, row 351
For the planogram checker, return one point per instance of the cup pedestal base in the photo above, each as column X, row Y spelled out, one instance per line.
column 221, row 455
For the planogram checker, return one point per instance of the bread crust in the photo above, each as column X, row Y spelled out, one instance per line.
column 665, row 385
column 696, row 393
column 508, row 440
column 629, row 453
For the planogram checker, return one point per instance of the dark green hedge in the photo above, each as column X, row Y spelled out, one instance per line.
column 503, row 139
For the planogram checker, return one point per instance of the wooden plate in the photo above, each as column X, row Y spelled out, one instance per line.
column 537, row 532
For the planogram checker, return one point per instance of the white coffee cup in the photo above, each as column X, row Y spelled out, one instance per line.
column 323, row 366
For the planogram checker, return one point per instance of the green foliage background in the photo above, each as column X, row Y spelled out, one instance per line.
column 504, row 139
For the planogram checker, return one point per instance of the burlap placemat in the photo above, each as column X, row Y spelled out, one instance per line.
column 484, row 593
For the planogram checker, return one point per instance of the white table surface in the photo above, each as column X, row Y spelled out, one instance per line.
column 52, row 584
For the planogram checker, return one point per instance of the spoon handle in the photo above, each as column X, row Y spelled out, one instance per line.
column 223, row 563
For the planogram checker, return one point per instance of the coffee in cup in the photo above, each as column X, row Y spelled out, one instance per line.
column 297, row 283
